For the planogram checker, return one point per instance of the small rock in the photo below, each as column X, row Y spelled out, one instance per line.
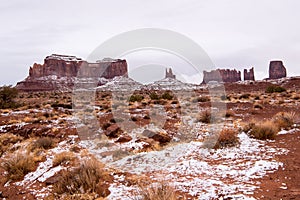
column 157, row 136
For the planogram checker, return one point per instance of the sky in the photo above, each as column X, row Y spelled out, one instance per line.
column 234, row 33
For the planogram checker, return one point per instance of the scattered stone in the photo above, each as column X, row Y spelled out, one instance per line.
column 113, row 131
column 157, row 136
column 124, row 138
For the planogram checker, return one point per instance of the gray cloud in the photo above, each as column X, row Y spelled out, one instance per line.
column 234, row 33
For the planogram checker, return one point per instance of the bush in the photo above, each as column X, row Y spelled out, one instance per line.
column 89, row 177
column 167, row 96
column 205, row 117
column 154, row 96
column 7, row 140
column 159, row 191
column 134, row 98
column 18, row 166
column 284, row 120
column 244, row 96
column 43, row 143
column 263, row 131
column 228, row 137
column 275, row 88
column 62, row 158
column 7, row 96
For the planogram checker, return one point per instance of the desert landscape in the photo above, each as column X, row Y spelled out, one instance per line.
column 63, row 136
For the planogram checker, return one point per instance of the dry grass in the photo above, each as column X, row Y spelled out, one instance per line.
column 89, row 177
column 18, row 166
column 7, row 140
column 43, row 143
column 284, row 120
column 263, row 131
column 158, row 191
column 205, row 117
column 62, row 157
column 228, row 137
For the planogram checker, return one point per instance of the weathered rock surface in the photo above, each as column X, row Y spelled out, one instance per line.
column 157, row 136
column 222, row 75
column 169, row 74
column 249, row 75
column 59, row 72
column 277, row 70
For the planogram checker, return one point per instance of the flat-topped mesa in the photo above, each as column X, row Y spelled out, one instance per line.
column 59, row 71
column 222, row 75
column 277, row 70
column 169, row 73
column 56, row 65
column 249, row 76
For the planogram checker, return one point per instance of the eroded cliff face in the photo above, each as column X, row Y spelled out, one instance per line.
column 249, row 75
column 222, row 75
column 277, row 70
column 59, row 72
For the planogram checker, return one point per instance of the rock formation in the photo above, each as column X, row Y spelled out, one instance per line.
column 222, row 75
column 169, row 74
column 276, row 70
column 59, row 72
column 249, row 76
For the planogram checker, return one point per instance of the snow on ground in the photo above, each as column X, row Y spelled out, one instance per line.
column 205, row 173
column 45, row 170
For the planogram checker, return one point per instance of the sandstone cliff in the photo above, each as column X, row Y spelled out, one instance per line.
column 277, row 70
column 222, row 75
column 249, row 76
column 58, row 72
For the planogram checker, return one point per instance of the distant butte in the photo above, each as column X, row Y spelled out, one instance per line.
column 277, row 70
column 59, row 72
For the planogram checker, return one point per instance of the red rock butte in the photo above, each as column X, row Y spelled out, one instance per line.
column 277, row 70
column 59, row 72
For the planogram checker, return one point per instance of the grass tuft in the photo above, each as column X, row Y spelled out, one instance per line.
column 18, row 166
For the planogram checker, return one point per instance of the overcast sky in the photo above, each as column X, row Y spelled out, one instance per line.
column 234, row 33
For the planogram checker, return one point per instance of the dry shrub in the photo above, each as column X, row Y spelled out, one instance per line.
column 284, row 120
column 62, row 157
column 263, row 131
column 89, row 177
column 7, row 140
column 205, row 117
column 43, row 143
column 228, row 137
column 18, row 166
column 229, row 113
column 158, row 191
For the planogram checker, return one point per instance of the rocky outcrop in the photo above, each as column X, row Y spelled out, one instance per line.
column 277, row 70
column 59, row 72
column 222, row 75
column 169, row 74
column 249, row 75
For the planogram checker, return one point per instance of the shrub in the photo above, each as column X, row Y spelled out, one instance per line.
column 7, row 140
column 7, row 96
column 263, row 131
column 89, row 177
column 154, row 96
column 229, row 113
column 228, row 137
column 134, row 98
column 18, row 166
column 284, row 120
column 274, row 88
column 159, row 191
column 62, row 158
column 244, row 96
column 258, row 106
column 43, row 143
column 205, row 117
column 167, row 96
